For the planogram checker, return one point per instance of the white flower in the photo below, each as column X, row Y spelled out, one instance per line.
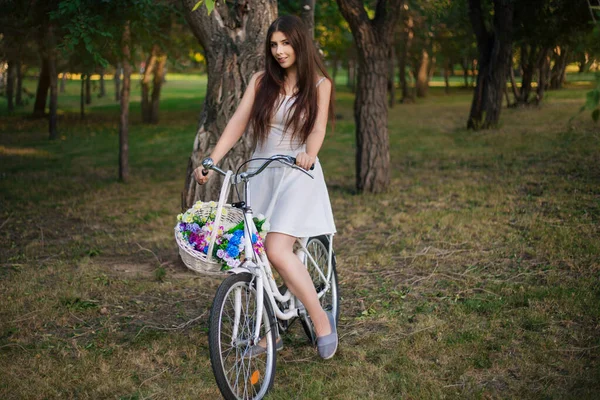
column 266, row 227
column 189, row 218
column 224, row 212
column 260, row 217
column 212, row 204
column 198, row 205
column 179, row 217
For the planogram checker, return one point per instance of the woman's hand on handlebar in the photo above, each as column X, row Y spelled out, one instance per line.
column 305, row 161
column 201, row 175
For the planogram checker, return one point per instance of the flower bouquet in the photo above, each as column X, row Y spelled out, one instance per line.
column 202, row 224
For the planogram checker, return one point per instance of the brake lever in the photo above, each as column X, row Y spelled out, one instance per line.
column 289, row 164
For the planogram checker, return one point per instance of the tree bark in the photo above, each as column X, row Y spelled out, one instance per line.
column 63, row 81
column 39, row 107
column 19, row 89
column 495, row 51
column 392, row 78
column 422, row 84
column 159, row 78
column 117, row 80
column 88, row 88
column 82, row 98
column 558, row 72
column 53, row 74
column 465, row 66
column 146, row 79
column 10, row 85
column 124, row 117
column 543, row 72
column 308, row 16
column 407, row 38
column 351, row 75
column 373, row 38
column 233, row 38
column 513, row 84
column 334, row 67
column 447, row 67
column 102, row 87
column 529, row 64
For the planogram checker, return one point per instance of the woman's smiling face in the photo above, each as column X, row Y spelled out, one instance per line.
column 282, row 50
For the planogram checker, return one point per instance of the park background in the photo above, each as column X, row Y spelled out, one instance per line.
column 473, row 273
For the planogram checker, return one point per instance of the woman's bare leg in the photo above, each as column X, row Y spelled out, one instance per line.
column 280, row 252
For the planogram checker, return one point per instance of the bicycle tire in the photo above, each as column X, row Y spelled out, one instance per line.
column 318, row 247
column 239, row 377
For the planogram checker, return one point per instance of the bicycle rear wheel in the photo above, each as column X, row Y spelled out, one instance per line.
column 318, row 248
column 231, row 328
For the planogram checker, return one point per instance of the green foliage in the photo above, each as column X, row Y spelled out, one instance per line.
column 210, row 5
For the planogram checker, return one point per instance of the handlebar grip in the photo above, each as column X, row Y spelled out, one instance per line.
column 310, row 169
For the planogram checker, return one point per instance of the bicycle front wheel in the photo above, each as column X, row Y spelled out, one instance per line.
column 318, row 248
column 231, row 329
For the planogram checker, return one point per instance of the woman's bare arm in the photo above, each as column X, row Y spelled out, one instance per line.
column 316, row 137
column 235, row 128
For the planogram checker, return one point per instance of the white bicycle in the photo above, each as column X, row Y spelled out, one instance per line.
column 249, row 306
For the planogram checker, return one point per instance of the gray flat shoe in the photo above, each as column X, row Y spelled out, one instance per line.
column 257, row 349
column 327, row 345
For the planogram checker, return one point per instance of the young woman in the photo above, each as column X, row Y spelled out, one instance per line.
column 287, row 106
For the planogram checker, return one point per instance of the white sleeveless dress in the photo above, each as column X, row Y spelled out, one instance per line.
column 293, row 203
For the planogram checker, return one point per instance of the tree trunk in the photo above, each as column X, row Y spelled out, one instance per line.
column 63, row 81
column 407, row 38
column 373, row 40
column 543, row 71
column 422, row 84
column 559, row 69
column 334, row 67
column 88, row 88
column 447, row 67
column 233, row 38
column 82, row 98
column 19, row 90
column 102, row 87
column 39, row 107
column 10, row 85
column 124, row 117
column 352, row 75
column 513, row 84
column 392, row 77
column 528, row 66
column 495, row 51
column 308, row 16
column 159, row 78
column 117, row 80
column 146, row 79
column 53, row 74
column 465, row 66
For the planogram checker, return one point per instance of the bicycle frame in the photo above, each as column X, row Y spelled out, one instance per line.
column 259, row 266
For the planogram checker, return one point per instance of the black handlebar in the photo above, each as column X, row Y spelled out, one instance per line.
column 290, row 161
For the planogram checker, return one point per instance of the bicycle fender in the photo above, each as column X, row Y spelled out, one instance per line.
column 237, row 270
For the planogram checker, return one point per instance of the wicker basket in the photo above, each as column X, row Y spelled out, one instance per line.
column 196, row 260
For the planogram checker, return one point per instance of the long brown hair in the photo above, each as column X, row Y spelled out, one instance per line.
column 303, row 112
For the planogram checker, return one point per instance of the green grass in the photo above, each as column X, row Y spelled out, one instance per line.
column 475, row 276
